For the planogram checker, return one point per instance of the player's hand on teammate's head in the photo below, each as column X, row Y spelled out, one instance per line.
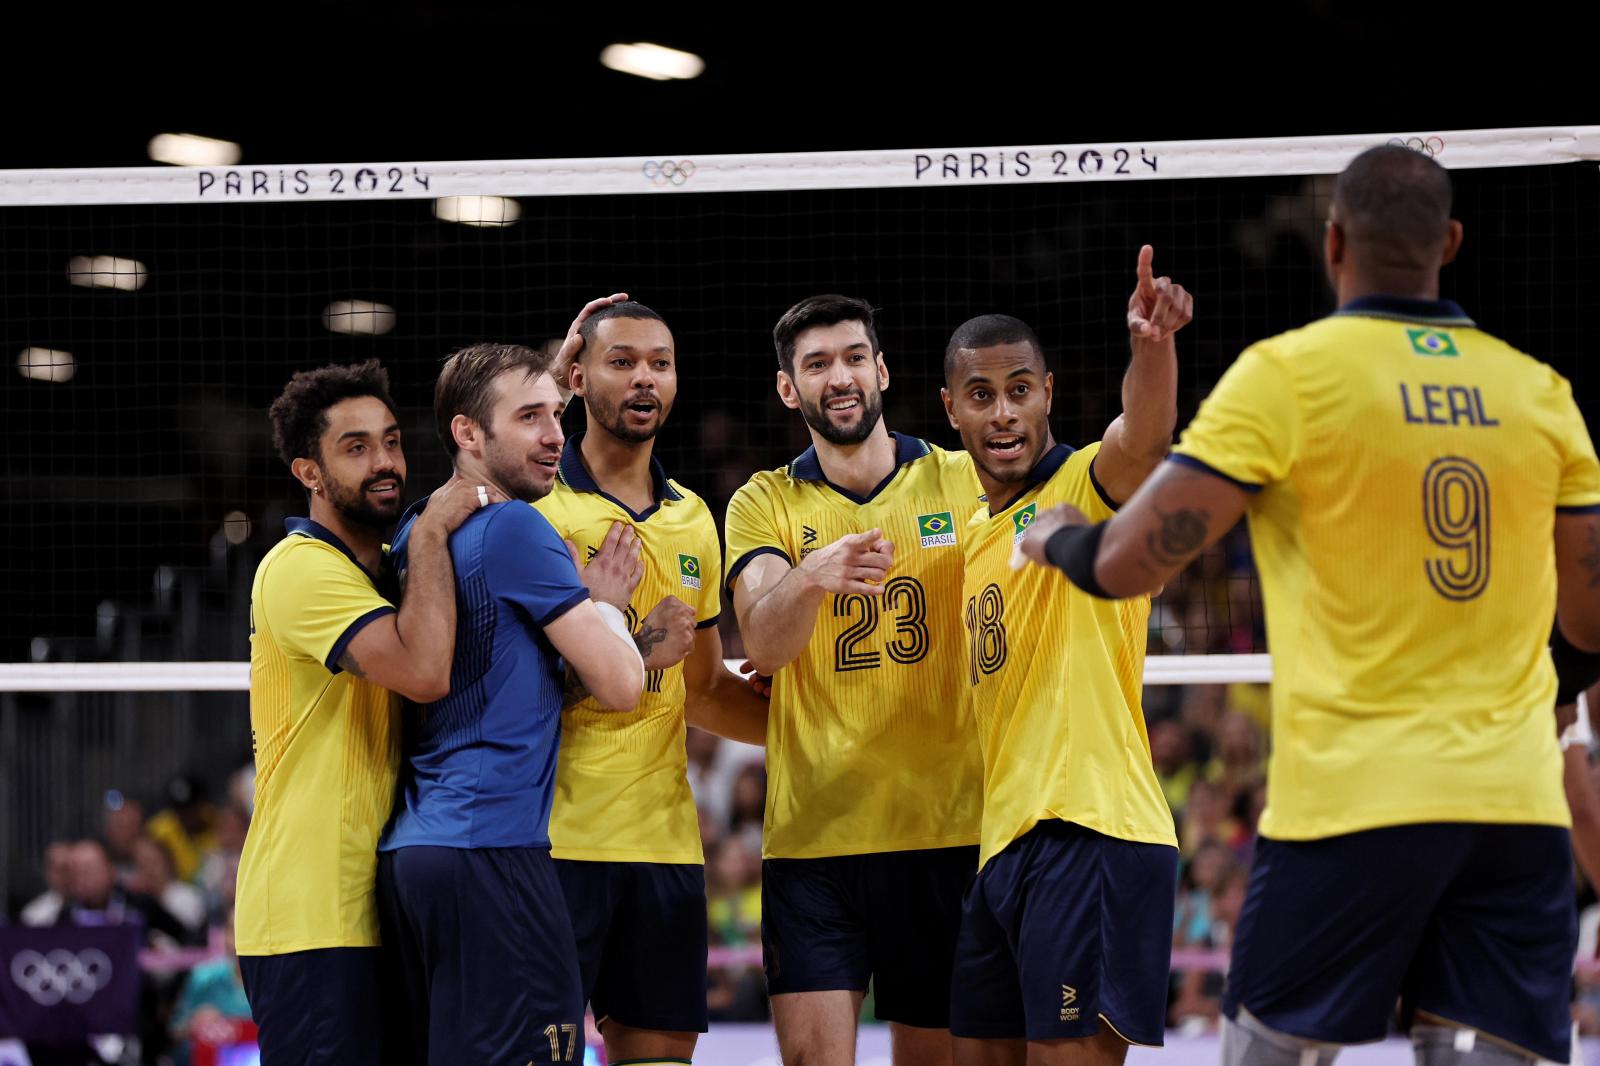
column 573, row 345
column 855, row 563
column 666, row 636
column 1158, row 307
column 614, row 571
column 1030, row 549
column 453, row 502
column 760, row 684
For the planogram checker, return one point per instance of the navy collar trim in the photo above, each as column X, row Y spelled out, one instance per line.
column 576, row 477
column 305, row 527
column 1043, row 471
column 1408, row 309
column 808, row 467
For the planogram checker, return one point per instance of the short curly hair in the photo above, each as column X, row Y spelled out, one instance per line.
column 299, row 415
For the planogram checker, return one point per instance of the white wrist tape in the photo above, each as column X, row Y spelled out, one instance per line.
column 618, row 624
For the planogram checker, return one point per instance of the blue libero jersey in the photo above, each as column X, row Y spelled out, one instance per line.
column 479, row 766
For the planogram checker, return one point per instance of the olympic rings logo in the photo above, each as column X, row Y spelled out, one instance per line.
column 668, row 172
column 1428, row 146
column 61, row 975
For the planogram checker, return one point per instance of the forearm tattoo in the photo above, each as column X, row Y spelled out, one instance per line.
column 1180, row 535
column 648, row 637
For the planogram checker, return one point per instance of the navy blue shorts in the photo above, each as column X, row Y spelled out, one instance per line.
column 491, row 968
column 891, row 917
column 641, row 932
column 1473, row 924
column 322, row 1006
column 1062, row 929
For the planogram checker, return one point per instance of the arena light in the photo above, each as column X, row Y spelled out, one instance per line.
column 653, row 61
column 236, row 527
column 107, row 272
column 487, row 211
column 46, row 364
column 193, row 150
column 362, row 317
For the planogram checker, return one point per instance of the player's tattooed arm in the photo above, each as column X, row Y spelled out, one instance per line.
column 1169, row 521
column 1590, row 559
column 574, row 691
column 666, row 635
column 1578, row 578
column 347, row 662
column 1177, row 539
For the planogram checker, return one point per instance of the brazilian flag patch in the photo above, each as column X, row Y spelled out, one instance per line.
column 1426, row 341
column 1022, row 520
column 936, row 530
column 689, row 571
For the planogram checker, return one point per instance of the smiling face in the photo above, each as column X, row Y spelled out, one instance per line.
column 521, row 445
column 998, row 399
column 836, row 382
column 628, row 377
column 362, row 466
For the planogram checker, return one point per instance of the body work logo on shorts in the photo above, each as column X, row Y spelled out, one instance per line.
column 936, row 530
column 689, row 571
column 1069, row 996
column 1022, row 520
column 1431, row 342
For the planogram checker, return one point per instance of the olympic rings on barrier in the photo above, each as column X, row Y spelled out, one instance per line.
column 61, row 975
column 669, row 172
column 1428, row 146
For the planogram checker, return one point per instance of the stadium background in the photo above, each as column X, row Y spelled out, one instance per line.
column 140, row 494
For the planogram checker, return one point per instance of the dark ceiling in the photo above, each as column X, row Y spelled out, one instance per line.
column 343, row 82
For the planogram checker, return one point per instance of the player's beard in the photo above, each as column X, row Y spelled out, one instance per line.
column 613, row 418
column 509, row 470
column 816, row 416
column 356, row 507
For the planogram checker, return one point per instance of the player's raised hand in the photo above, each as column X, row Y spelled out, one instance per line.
column 853, row 563
column 1158, row 307
column 666, row 636
column 451, row 503
column 614, row 572
column 574, row 342
column 1030, row 549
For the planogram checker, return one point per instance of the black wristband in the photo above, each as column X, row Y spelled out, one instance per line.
column 1576, row 669
column 1072, row 550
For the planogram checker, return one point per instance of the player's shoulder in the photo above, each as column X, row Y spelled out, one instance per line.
column 509, row 526
column 686, row 499
column 1536, row 374
column 763, row 486
column 957, row 461
column 302, row 553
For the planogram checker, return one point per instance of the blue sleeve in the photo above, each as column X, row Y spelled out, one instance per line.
column 527, row 564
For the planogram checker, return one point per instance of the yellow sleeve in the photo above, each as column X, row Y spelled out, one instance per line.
column 1248, row 429
column 709, row 607
column 315, row 601
column 751, row 528
column 1580, row 471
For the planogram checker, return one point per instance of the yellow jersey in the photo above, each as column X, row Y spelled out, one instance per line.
column 869, row 745
column 622, row 785
column 1406, row 470
column 1055, row 678
column 327, row 750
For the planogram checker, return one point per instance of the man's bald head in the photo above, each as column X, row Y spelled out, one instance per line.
column 1393, row 205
